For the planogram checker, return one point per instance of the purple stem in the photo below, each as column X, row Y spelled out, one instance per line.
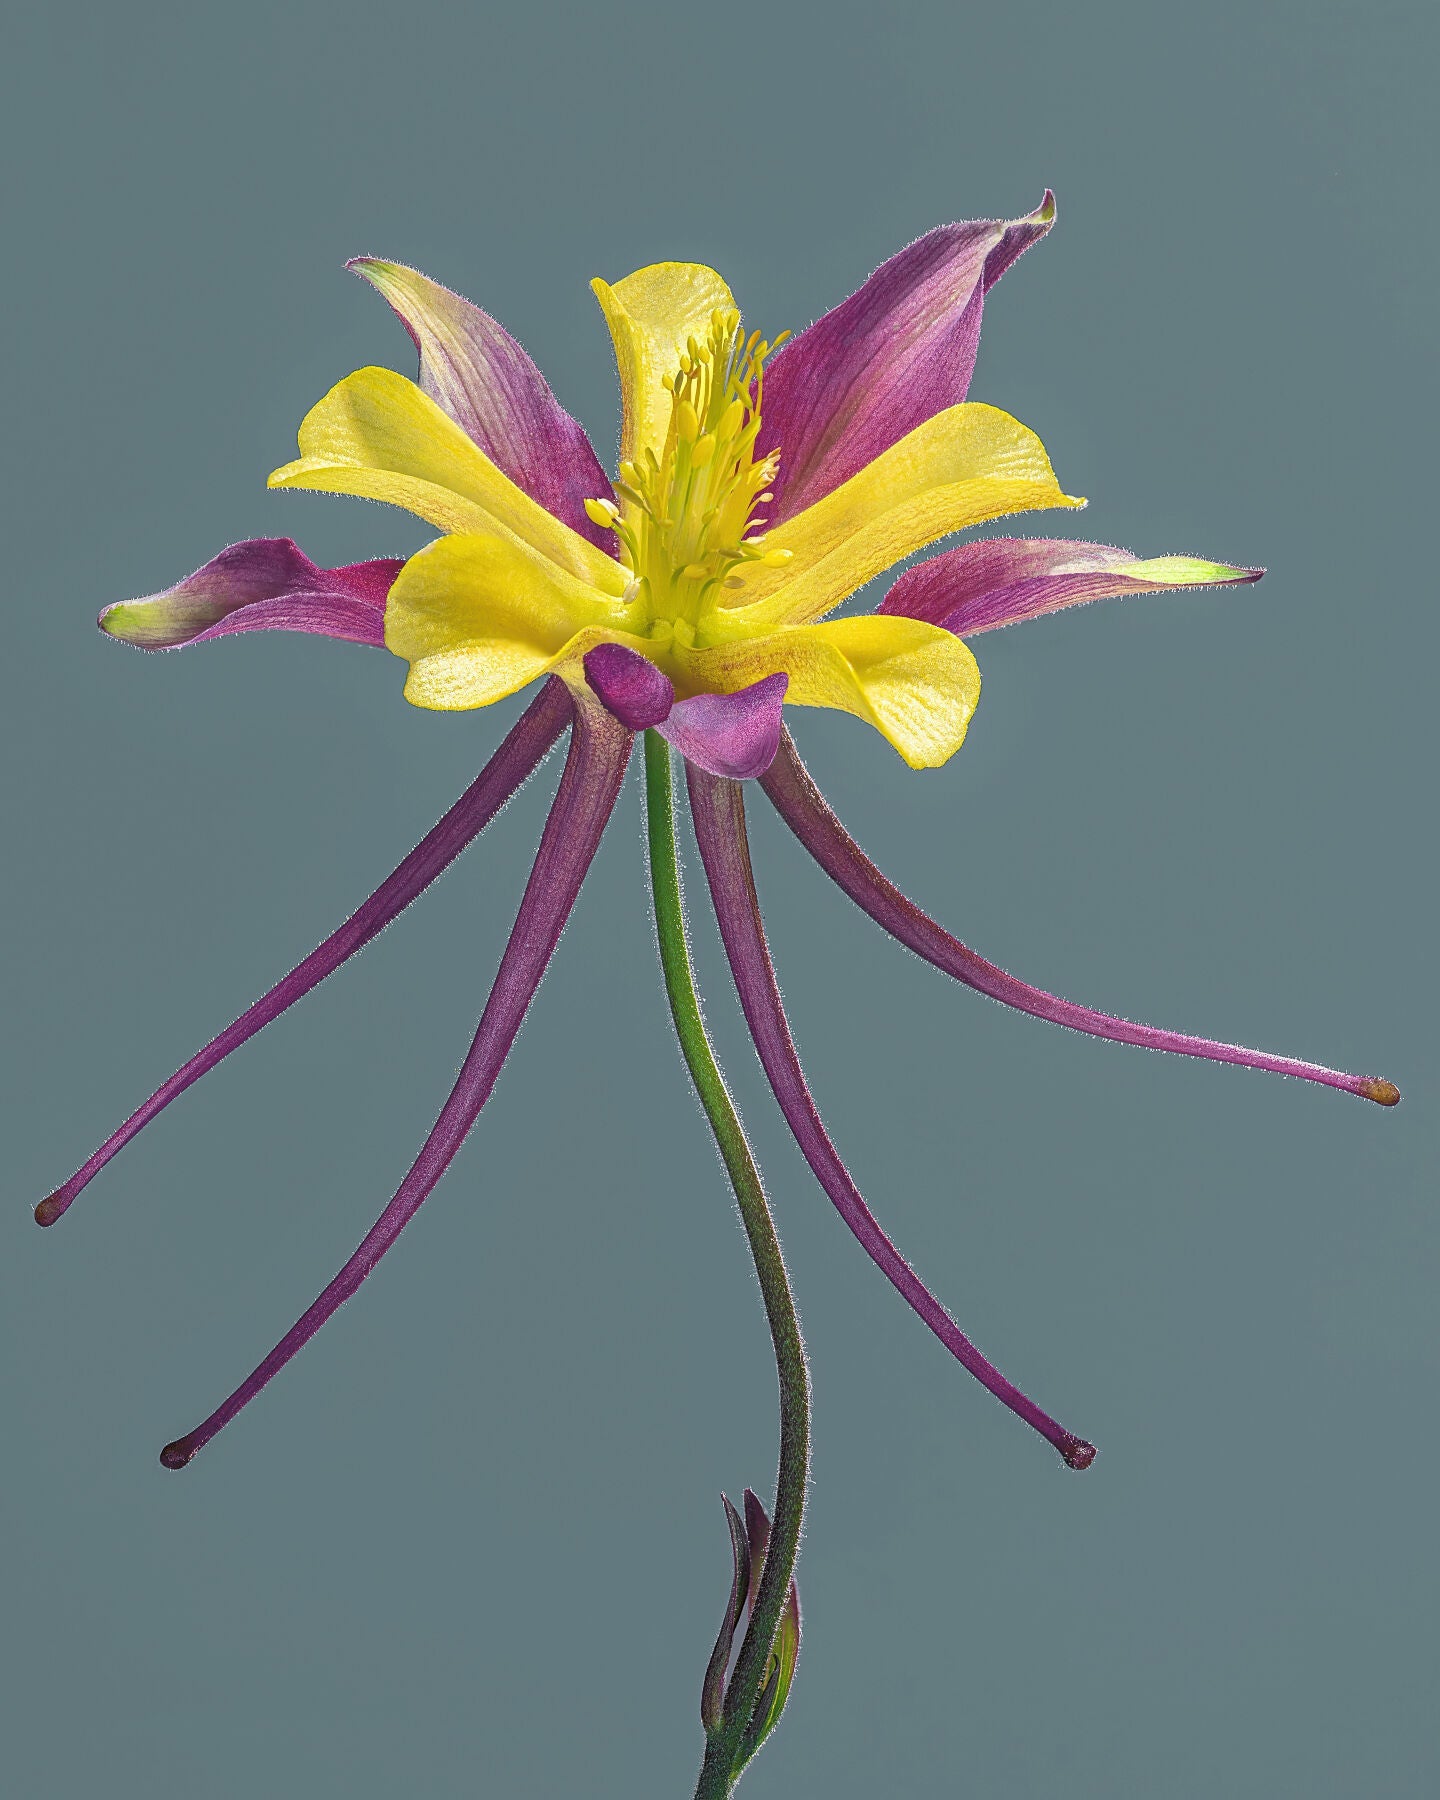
column 599, row 750
column 805, row 810
column 511, row 765
column 718, row 809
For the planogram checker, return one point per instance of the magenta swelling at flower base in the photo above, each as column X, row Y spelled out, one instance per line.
column 691, row 598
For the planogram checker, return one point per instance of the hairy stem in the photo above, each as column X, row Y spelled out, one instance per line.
column 716, row 1777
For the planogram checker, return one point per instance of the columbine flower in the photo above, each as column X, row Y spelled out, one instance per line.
column 760, row 484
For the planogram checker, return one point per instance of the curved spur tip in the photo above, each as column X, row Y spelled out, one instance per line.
column 1383, row 1093
column 51, row 1207
column 176, row 1455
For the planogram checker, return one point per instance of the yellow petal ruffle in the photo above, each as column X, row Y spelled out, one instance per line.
column 918, row 685
column 968, row 464
column 375, row 434
column 478, row 617
column 650, row 314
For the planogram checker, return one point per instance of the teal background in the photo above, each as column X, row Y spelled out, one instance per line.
column 471, row 1542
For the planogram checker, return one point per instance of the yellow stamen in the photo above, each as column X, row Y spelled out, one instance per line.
column 691, row 499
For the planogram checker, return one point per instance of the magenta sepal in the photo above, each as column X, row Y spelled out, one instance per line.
column 629, row 685
column 734, row 735
column 261, row 584
column 512, row 764
column 473, row 369
column 594, row 769
column 899, row 350
column 718, row 810
column 805, row 810
column 1000, row 581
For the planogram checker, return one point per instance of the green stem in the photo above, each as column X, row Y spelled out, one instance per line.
column 716, row 1775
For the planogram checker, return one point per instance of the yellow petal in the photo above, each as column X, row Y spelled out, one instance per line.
column 375, row 434
column 968, row 464
column 650, row 314
column 478, row 617
column 917, row 685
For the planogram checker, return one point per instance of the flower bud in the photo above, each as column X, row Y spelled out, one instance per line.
column 749, row 1540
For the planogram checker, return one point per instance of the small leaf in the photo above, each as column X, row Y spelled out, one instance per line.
column 712, row 1692
column 779, row 1673
column 757, row 1530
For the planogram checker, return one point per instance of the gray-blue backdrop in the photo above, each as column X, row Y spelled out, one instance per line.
column 471, row 1543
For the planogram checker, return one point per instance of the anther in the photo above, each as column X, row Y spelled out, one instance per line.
column 602, row 512
column 690, row 502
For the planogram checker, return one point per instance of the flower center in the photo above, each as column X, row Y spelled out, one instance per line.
column 688, row 522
